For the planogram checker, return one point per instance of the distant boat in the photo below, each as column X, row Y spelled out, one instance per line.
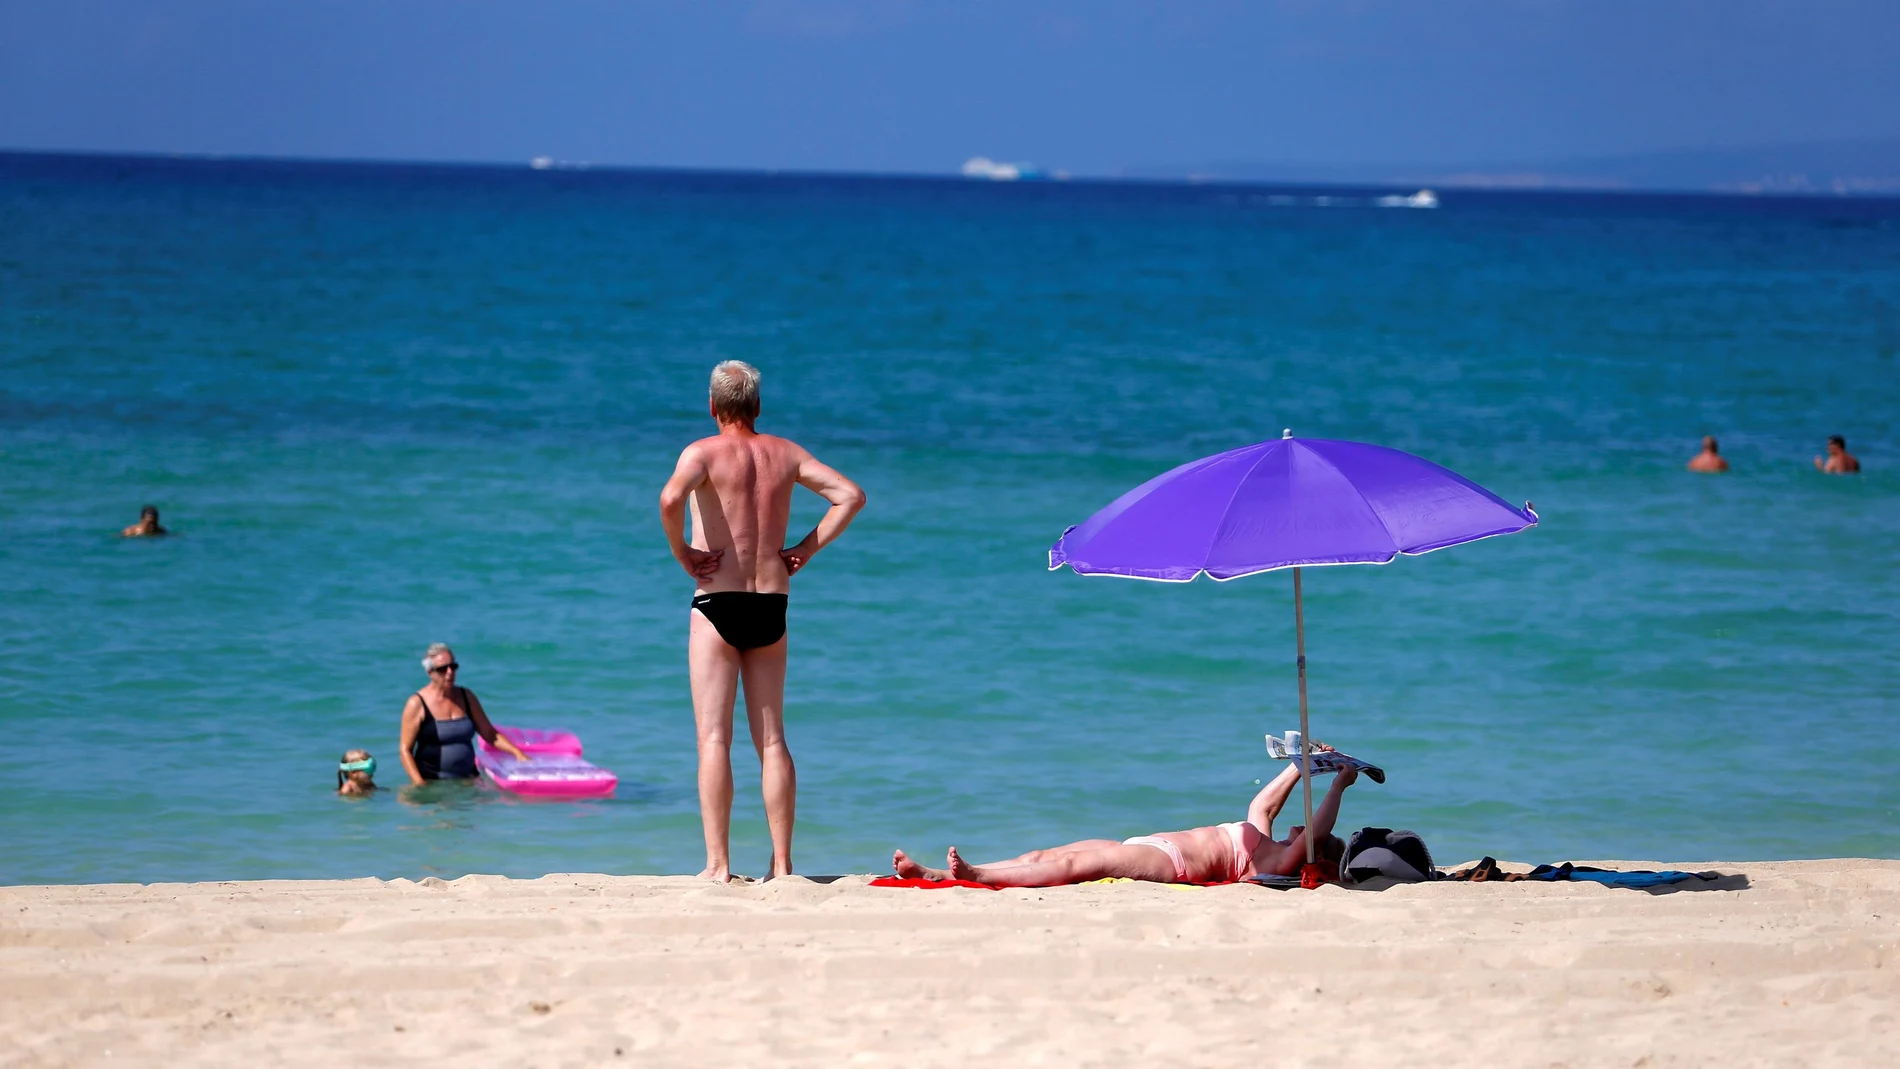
column 1424, row 198
column 541, row 163
column 995, row 171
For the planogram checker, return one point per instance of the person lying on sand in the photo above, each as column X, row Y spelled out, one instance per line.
column 1218, row 854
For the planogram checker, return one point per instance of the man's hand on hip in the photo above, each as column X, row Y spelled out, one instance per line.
column 701, row 563
column 795, row 556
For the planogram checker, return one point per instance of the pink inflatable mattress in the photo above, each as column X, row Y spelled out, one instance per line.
column 555, row 768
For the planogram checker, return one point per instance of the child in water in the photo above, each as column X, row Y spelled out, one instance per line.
column 355, row 772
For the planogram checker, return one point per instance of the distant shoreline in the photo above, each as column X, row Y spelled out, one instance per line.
column 1466, row 183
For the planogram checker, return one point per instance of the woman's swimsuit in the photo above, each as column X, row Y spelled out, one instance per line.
column 1166, row 847
column 1242, row 839
column 746, row 620
column 445, row 749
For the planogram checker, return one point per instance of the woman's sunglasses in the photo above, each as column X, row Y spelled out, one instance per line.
column 449, row 667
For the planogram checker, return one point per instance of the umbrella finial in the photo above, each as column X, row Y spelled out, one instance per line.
column 1286, row 433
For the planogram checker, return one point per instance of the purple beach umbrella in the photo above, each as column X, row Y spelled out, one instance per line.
column 1287, row 503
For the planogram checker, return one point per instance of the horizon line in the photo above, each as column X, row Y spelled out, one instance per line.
column 544, row 163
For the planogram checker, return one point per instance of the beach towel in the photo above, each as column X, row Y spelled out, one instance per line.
column 1487, row 871
column 1288, row 749
column 1637, row 879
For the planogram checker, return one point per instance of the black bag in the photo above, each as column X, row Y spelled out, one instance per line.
column 1381, row 852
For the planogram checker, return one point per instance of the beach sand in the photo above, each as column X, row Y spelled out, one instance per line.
column 1794, row 963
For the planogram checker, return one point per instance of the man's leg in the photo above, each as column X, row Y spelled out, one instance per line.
column 714, row 668
column 764, row 672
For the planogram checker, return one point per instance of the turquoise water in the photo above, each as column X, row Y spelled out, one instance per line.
column 386, row 406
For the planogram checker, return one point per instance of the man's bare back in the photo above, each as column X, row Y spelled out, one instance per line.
column 742, row 508
column 738, row 484
column 1709, row 461
column 738, row 487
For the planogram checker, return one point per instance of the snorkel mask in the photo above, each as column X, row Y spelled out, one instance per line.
column 367, row 764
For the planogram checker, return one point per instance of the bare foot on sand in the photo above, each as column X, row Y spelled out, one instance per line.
column 959, row 868
column 911, row 870
column 717, row 873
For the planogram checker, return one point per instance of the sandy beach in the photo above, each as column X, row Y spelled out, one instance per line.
column 1789, row 963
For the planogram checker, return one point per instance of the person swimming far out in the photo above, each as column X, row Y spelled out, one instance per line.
column 1222, row 853
column 1710, row 461
column 1838, row 460
column 147, row 527
column 440, row 723
column 355, row 773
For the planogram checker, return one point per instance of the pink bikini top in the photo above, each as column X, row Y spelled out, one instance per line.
column 1245, row 839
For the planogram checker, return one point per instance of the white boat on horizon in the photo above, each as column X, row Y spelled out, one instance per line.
column 1424, row 198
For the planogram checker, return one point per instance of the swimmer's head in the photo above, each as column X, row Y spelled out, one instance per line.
column 356, row 767
column 148, row 514
column 1836, row 444
column 735, row 392
column 439, row 661
column 1708, row 444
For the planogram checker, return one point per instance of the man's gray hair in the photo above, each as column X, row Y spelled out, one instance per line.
column 436, row 649
column 735, row 392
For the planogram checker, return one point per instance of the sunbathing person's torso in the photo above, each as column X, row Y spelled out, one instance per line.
column 1209, row 853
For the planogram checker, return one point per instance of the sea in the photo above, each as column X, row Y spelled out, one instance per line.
column 382, row 405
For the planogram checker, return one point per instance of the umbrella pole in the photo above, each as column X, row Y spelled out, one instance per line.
column 1306, row 739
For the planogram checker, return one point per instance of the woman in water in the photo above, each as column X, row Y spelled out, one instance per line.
column 1219, row 854
column 440, row 722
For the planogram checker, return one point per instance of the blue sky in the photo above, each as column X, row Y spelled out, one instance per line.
column 891, row 85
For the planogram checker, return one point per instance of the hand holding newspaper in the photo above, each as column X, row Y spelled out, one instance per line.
column 1288, row 749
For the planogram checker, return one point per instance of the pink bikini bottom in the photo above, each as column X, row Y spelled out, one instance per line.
column 1166, row 847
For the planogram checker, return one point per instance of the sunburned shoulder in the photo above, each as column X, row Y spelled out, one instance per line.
column 723, row 444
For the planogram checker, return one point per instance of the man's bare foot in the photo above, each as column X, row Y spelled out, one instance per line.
column 717, row 873
column 911, row 870
column 959, row 868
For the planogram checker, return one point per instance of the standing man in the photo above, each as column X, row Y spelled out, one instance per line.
column 739, row 486
column 1839, row 461
column 1710, row 460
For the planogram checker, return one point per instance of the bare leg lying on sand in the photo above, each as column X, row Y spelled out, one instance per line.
column 1216, row 854
column 1090, row 859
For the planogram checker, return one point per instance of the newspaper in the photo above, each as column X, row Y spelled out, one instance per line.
column 1324, row 761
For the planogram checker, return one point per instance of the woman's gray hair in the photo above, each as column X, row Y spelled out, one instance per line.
column 436, row 649
column 735, row 392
